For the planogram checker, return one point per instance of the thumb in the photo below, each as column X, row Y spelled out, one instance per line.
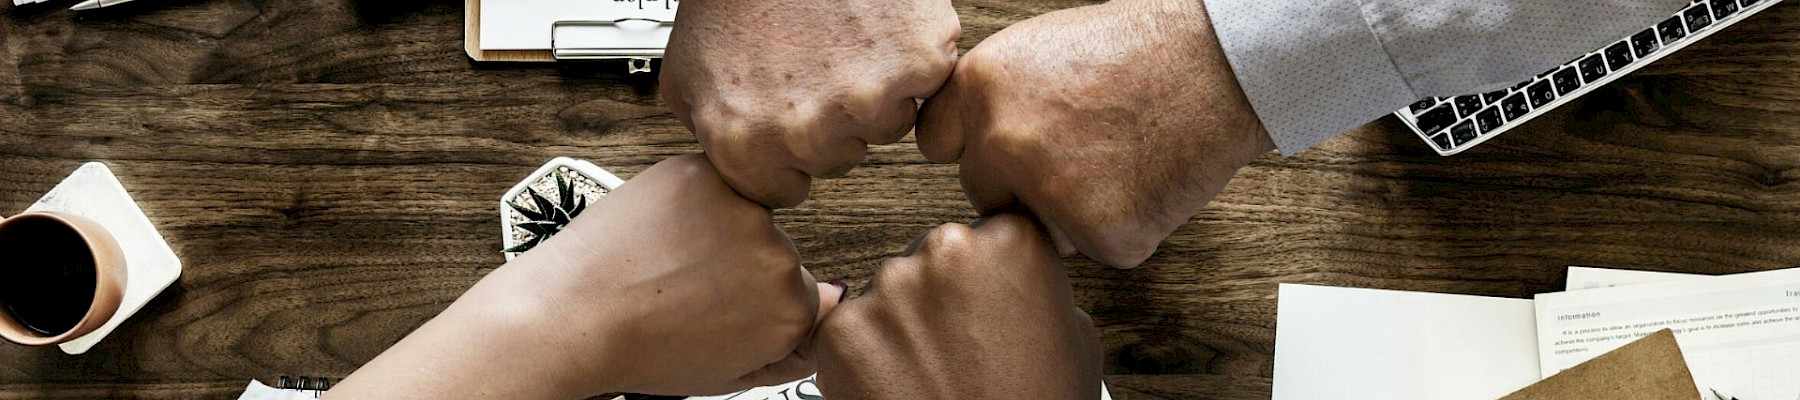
column 798, row 364
column 830, row 294
column 942, row 120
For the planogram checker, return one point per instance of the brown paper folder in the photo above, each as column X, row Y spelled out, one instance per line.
column 1650, row 368
column 472, row 40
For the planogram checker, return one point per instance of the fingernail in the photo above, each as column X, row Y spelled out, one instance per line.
column 843, row 290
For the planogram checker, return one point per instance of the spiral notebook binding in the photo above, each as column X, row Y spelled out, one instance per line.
column 303, row 382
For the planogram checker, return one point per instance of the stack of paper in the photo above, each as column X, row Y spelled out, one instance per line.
column 1740, row 334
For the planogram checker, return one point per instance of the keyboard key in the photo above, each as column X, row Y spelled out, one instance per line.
column 1464, row 132
column 1671, row 30
column 1566, row 80
column 1541, row 93
column 1515, row 106
column 1468, row 104
column 1697, row 18
column 1592, row 68
column 1521, row 85
column 1437, row 119
column 1644, row 42
column 1494, row 96
column 1619, row 55
column 1490, row 119
column 1442, row 140
column 1748, row 3
column 1422, row 105
column 1724, row 8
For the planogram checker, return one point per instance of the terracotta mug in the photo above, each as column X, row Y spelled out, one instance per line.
column 53, row 266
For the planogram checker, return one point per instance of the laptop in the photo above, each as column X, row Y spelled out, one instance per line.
column 1453, row 124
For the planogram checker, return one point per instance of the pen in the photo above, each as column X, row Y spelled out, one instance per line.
column 1718, row 396
column 93, row 4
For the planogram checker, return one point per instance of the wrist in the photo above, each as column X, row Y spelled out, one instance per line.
column 497, row 341
column 522, row 304
column 1181, row 34
column 1179, row 24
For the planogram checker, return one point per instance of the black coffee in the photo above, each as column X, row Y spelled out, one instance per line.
column 46, row 275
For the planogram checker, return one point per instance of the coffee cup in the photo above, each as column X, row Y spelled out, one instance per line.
column 61, row 277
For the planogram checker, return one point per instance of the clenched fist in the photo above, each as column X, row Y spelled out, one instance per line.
column 672, row 284
column 1113, row 123
column 781, row 91
column 971, row 312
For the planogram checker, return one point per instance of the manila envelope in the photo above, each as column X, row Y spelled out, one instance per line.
column 1650, row 368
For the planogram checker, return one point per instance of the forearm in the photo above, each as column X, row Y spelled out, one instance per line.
column 673, row 284
column 494, row 342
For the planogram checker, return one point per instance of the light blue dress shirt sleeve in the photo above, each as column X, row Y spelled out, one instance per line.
column 1314, row 69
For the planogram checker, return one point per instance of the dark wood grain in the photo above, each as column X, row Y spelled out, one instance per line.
column 329, row 169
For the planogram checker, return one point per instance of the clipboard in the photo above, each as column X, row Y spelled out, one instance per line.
column 637, row 39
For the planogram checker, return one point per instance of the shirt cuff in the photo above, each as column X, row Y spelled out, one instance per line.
column 1311, row 70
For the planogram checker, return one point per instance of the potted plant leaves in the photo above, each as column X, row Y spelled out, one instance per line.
column 539, row 207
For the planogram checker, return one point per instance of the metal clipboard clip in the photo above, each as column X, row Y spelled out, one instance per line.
column 636, row 40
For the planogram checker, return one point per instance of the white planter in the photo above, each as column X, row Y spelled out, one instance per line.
column 587, row 179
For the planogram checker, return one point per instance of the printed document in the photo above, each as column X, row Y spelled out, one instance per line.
column 1739, row 333
column 1581, row 278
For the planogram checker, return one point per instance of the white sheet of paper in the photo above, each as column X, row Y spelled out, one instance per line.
column 259, row 391
column 1594, row 278
column 1348, row 343
column 1740, row 333
column 805, row 389
column 525, row 24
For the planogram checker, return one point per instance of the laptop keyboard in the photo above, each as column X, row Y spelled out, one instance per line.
column 1454, row 124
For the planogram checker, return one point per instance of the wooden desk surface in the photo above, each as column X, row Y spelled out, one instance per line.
column 328, row 170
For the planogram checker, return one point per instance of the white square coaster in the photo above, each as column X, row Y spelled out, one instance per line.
column 150, row 265
column 605, row 180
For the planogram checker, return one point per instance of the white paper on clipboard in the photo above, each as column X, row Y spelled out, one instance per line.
column 531, row 24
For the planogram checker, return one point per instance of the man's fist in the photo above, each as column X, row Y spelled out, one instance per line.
column 971, row 312
column 781, row 91
column 1112, row 123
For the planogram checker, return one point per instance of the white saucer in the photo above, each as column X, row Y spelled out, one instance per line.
column 150, row 265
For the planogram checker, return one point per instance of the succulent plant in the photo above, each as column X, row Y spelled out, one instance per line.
column 549, row 217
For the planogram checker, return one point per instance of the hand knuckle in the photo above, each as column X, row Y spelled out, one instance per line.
column 948, row 237
column 691, row 168
column 897, row 277
column 847, row 319
column 828, row 154
column 1011, row 229
column 978, row 61
column 730, row 144
column 1122, row 242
